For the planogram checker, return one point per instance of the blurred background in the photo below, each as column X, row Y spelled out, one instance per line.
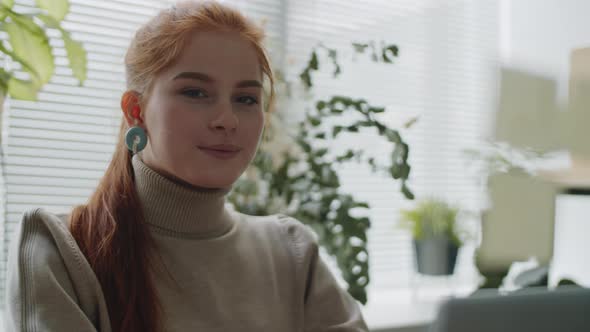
column 463, row 148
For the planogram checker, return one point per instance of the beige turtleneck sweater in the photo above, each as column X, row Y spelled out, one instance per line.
column 233, row 272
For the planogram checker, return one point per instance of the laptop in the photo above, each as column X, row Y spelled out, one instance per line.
column 566, row 309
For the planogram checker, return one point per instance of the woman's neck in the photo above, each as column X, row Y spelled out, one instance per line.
column 178, row 208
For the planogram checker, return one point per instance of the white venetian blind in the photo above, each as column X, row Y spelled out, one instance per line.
column 444, row 75
column 57, row 148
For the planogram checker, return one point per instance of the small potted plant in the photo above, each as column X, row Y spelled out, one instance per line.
column 433, row 224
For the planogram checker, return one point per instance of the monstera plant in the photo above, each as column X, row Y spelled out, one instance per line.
column 295, row 173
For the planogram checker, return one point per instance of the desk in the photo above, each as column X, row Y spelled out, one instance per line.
column 572, row 222
column 572, row 238
column 396, row 310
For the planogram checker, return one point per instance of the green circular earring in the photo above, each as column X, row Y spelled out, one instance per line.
column 135, row 139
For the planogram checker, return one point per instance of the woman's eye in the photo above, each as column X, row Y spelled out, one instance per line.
column 248, row 100
column 193, row 93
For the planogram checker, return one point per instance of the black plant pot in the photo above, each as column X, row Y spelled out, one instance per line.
column 436, row 256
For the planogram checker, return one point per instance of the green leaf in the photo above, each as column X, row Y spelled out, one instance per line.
column 18, row 59
column 21, row 89
column 336, row 130
column 405, row 171
column 320, row 105
column 407, row 192
column 333, row 55
column 313, row 62
column 76, row 56
column 321, row 152
column 361, row 204
column 377, row 110
column 4, row 78
column 314, row 121
column 393, row 136
column 399, row 154
column 55, row 8
column 365, row 123
column 399, row 171
column 352, row 128
column 306, row 79
column 49, row 21
column 347, row 156
column 411, row 122
column 75, row 52
column 5, row 4
column 31, row 44
column 359, row 48
column 305, row 146
column 390, row 49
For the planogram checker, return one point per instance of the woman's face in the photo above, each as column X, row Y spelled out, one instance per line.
column 208, row 101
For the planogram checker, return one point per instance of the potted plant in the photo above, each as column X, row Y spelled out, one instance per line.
column 433, row 224
column 294, row 171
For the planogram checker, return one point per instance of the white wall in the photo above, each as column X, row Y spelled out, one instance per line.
column 538, row 36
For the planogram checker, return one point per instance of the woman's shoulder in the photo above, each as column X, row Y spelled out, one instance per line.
column 285, row 224
column 42, row 238
column 288, row 231
column 43, row 218
column 47, row 269
column 40, row 225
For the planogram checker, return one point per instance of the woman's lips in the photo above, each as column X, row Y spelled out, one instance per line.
column 220, row 154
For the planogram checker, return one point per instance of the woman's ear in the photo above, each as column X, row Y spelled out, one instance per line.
column 130, row 105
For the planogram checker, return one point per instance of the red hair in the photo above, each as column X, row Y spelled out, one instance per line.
column 110, row 228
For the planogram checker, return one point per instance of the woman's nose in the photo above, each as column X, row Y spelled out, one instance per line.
column 225, row 118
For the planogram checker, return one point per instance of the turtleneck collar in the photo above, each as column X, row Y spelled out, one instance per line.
column 178, row 209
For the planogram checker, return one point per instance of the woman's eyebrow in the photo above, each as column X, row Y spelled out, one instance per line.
column 208, row 79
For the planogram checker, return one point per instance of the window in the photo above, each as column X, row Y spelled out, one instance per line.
column 444, row 75
column 56, row 149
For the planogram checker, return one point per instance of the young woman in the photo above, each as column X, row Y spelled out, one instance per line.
column 154, row 248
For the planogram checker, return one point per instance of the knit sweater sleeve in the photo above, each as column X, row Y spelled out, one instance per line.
column 327, row 307
column 41, row 294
